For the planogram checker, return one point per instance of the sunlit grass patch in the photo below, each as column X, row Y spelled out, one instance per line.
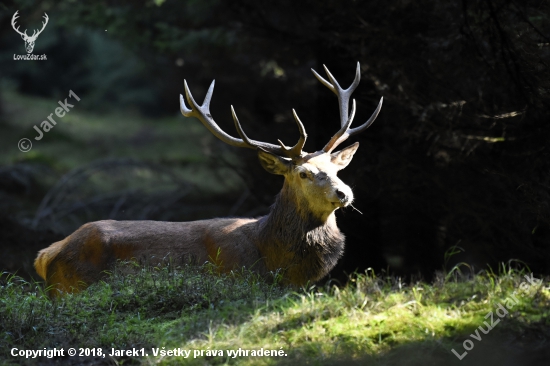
column 368, row 318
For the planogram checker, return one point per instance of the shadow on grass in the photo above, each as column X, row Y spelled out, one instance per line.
column 500, row 347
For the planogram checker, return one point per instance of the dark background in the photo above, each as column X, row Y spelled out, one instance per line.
column 457, row 158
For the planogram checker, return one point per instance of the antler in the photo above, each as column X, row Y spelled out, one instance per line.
column 343, row 102
column 43, row 26
column 13, row 19
column 34, row 34
column 202, row 113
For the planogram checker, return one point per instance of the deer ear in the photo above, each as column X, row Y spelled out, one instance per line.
column 343, row 157
column 272, row 163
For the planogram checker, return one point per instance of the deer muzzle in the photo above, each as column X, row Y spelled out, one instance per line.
column 344, row 195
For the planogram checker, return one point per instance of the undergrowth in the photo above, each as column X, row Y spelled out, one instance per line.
column 373, row 319
column 130, row 309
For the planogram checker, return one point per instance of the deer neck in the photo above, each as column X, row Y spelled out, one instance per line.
column 290, row 203
column 292, row 237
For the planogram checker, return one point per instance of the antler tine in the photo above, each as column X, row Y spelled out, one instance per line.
column 342, row 134
column 343, row 95
column 46, row 18
column 240, row 130
column 14, row 18
column 345, row 132
column 302, row 129
column 13, row 21
column 296, row 151
column 183, row 108
column 369, row 122
column 323, row 81
column 343, row 101
column 202, row 113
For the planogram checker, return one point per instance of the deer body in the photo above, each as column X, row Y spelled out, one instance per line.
column 299, row 236
column 307, row 249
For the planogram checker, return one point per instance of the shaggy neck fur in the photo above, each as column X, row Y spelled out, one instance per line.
column 292, row 238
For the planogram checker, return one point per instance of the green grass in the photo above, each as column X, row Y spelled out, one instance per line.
column 370, row 320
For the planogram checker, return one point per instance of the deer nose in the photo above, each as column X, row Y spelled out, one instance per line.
column 341, row 195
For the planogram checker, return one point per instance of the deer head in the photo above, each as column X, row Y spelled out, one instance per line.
column 310, row 178
column 29, row 40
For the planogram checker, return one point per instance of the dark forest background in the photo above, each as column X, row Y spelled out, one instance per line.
column 458, row 157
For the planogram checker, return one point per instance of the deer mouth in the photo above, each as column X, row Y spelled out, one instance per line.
column 341, row 202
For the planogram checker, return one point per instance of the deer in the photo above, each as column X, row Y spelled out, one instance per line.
column 298, row 238
column 29, row 40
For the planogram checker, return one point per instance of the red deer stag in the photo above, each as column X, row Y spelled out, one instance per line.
column 298, row 236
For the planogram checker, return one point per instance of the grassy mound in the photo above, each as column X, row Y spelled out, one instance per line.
column 209, row 319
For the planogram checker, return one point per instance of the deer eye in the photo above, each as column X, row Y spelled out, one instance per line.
column 303, row 175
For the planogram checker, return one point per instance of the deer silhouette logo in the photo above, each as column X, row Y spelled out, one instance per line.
column 29, row 40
